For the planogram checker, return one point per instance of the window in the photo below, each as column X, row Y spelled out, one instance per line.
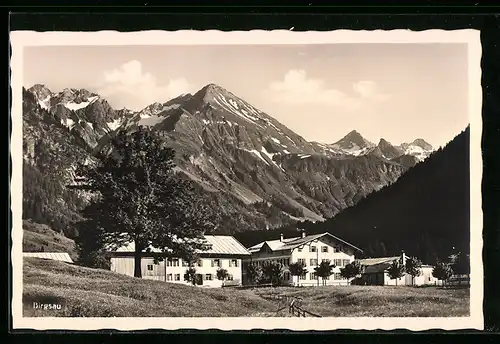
column 302, row 277
column 313, row 276
column 200, row 263
column 299, row 249
column 301, row 260
column 336, row 249
column 208, row 277
column 173, row 262
column 233, row 263
column 325, row 260
column 337, row 262
column 169, row 277
column 312, row 248
column 215, row 262
column 287, row 261
column 177, row 277
column 230, row 277
column 286, row 276
column 346, row 262
column 150, row 267
column 338, row 276
column 324, row 248
column 313, row 262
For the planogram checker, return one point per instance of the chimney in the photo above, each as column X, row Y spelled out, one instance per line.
column 403, row 257
column 303, row 233
column 281, row 237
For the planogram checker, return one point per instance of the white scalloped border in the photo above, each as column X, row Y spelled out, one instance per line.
column 20, row 39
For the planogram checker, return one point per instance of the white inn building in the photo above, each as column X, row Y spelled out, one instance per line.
column 225, row 252
column 311, row 250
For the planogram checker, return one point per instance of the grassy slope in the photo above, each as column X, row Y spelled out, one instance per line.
column 37, row 237
column 88, row 292
column 382, row 301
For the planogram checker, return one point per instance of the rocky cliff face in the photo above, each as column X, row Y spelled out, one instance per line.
column 259, row 173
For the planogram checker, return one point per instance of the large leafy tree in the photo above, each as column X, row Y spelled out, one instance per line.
column 413, row 267
column 297, row 269
column 140, row 199
column 324, row 270
column 396, row 270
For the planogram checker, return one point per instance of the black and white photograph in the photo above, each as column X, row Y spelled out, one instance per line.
column 241, row 180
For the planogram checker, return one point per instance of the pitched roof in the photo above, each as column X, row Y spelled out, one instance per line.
column 61, row 256
column 374, row 261
column 219, row 244
column 291, row 243
column 376, row 265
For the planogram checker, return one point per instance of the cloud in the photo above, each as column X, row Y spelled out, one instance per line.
column 130, row 86
column 297, row 88
column 369, row 90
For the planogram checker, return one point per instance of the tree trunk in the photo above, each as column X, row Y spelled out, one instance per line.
column 137, row 261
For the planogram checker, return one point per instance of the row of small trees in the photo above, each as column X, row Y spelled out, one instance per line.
column 190, row 275
column 413, row 267
column 272, row 272
column 443, row 270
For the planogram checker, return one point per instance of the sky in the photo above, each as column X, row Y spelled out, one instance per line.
column 398, row 92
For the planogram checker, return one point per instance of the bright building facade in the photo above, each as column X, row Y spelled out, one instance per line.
column 375, row 272
column 311, row 250
column 225, row 252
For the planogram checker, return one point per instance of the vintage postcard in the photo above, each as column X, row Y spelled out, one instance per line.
column 246, row 180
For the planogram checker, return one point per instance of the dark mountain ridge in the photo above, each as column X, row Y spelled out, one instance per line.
column 425, row 212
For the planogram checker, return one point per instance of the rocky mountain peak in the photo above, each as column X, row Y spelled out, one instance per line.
column 41, row 91
column 353, row 143
column 384, row 142
column 388, row 150
column 356, row 138
column 422, row 144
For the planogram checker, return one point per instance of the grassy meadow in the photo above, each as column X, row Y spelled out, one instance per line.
column 379, row 301
column 85, row 292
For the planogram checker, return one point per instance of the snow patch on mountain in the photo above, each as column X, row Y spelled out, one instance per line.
column 150, row 120
column 68, row 123
column 115, row 124
column 231, row 106
column 45, row 103
column 77, row 106
column 264, row 151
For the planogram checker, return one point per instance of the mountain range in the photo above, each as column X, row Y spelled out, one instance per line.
column 259, row 173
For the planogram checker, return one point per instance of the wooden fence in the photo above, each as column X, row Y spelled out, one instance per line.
column 293, row 303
